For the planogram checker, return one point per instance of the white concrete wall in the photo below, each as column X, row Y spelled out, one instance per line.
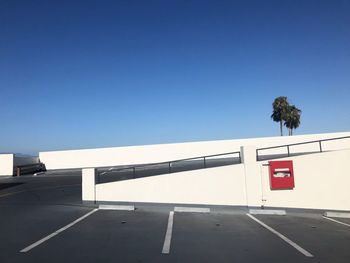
column 6, row 164
column 167, row 152
column 322, row 181
column 9, row 162
column 215, row 186
column 253, row 185
column 88, row 182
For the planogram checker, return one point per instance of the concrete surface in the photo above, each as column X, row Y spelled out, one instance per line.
column 132, row 155
column 32, row 208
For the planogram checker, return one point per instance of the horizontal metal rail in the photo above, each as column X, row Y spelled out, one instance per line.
column 174, row 161
column 300, row 143
column 169, row 164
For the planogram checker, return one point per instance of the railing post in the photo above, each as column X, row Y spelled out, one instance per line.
column 169, row 167
column 288, row 150
column 18, row 171
column 205, row 164
column 134, row 172
column 320, row 145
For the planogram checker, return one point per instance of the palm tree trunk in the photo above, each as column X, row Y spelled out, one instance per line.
column 281, row 128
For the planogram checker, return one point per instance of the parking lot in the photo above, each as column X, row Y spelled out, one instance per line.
column 43, row 220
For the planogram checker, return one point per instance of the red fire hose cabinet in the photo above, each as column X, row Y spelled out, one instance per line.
column 281, row 175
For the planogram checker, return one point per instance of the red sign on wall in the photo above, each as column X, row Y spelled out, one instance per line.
column 281, row 175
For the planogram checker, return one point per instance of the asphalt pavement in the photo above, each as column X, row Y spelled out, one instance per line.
column 42, row 219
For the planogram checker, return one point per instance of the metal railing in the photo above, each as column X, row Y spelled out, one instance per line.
column 288, row 146
column 116, row 173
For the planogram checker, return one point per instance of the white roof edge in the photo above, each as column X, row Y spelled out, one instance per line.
column 336, row 134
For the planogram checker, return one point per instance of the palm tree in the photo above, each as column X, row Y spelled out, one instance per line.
column 279, row 106
column 292, row 118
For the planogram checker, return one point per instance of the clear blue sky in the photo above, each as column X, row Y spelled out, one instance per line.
column 81, row 74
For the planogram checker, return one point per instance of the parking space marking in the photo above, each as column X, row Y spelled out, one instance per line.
column 117, row 207
column 336, row 221
column 337, row 214
column 267, row 212
column 57, row 232
column 191, row 209
column 169, row 231
column 290, row 242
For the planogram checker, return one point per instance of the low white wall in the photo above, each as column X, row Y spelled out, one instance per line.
column 6, row 164
column 214, row 186
column 9, row 163
column 167, row 152
column 322, row 181
column 88, row 181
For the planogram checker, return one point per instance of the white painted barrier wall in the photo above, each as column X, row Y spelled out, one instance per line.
column 9, row 162
column 322, row 181
column 166, row 152
column 88, row 181
column 6, row 164
column 221, row 186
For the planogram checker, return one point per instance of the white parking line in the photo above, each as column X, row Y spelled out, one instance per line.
column 290, row 242
column 192, row 209
column 169, row 231
column 337, row 214
column 336, row 221
column 57, row 232
column 117, row 207
column 267, row 212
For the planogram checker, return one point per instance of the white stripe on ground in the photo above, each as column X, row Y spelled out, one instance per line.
column 169, row 231
column 117, row 207
column 267, row 212
column 284, row 238
column 337, row 214
column 192, row 209
column 336, row 221
column 57, row 232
